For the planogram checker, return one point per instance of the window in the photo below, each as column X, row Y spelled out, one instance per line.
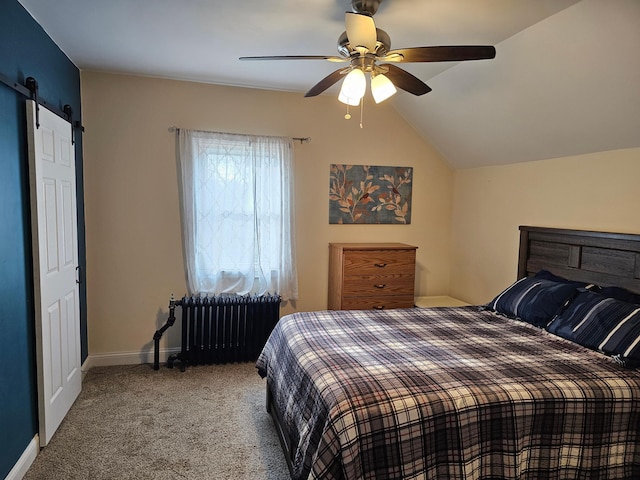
column 237, row 213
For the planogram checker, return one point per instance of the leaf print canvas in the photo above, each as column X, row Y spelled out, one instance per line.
column 360, row 194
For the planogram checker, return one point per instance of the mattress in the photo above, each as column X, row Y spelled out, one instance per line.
column 452, row 393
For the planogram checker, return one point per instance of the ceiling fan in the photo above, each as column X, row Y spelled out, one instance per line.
column 367, row 49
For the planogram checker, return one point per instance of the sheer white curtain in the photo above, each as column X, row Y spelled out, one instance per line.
column 237, row 213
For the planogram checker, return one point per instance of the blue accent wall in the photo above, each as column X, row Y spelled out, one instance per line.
column 25, row 51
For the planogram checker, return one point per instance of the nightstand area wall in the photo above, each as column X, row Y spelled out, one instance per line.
column 439, row 301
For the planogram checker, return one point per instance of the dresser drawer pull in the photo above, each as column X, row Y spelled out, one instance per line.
column 380, row 265
column 378, row 307
column 380, row 285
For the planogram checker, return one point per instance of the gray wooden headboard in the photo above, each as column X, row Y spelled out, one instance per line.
column 596, row 257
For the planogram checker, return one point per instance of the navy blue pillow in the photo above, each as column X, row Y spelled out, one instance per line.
column 620, row 294
column 603, row 324
column 547, row 275
column 535, row 300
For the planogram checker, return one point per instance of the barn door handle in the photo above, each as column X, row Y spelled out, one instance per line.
column 78, row 274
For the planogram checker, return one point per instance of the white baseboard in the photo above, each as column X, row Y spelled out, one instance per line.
column 125, row 358
column 19, row 470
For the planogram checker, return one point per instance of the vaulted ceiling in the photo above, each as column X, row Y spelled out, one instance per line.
column 565, row 80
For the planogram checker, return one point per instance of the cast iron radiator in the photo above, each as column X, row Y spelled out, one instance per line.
column 223, row 328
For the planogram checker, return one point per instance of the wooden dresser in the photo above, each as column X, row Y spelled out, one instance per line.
column 366, row 276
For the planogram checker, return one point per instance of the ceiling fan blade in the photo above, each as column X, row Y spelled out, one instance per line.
column 330, row 58
column 361, row 31
column 325, row 83
column 404, row 80
column 454, row 53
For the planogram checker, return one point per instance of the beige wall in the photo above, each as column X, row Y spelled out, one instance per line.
column 464, row 223
column 134, row 248
column 591, row 192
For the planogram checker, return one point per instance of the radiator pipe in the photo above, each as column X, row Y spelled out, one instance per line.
column 158, row 335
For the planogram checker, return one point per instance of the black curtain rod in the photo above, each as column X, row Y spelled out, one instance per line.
column 298, row 139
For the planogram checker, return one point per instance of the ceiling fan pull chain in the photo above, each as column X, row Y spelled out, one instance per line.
column 361, row 111
column 347, row 116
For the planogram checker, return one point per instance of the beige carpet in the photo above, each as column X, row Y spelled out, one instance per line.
column 133, row 422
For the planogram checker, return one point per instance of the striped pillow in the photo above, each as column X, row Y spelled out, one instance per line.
column 620, row 294
column 535, row 300
column 604, row 324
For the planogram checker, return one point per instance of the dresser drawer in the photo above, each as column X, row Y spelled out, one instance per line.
column 365, row 285
column 377, row 303
column 365, row 276
column 379, row 262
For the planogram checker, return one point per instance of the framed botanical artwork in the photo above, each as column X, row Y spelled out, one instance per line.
column 367, row 194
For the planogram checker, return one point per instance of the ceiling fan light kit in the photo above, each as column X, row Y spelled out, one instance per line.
column 368, row 50
column 354, row 84
column 381, row 88
column 348, row 100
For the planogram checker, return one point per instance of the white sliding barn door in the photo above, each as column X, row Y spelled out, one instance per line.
column 55, row 257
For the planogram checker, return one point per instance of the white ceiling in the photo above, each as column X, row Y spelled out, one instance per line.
column 565, row 80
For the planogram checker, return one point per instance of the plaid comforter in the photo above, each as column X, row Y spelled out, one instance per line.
column 448, row 393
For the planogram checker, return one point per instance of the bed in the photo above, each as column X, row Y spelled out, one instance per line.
column 514, row 389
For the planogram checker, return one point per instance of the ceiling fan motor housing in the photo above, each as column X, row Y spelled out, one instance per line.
column 368, row 7
column 383, row 44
